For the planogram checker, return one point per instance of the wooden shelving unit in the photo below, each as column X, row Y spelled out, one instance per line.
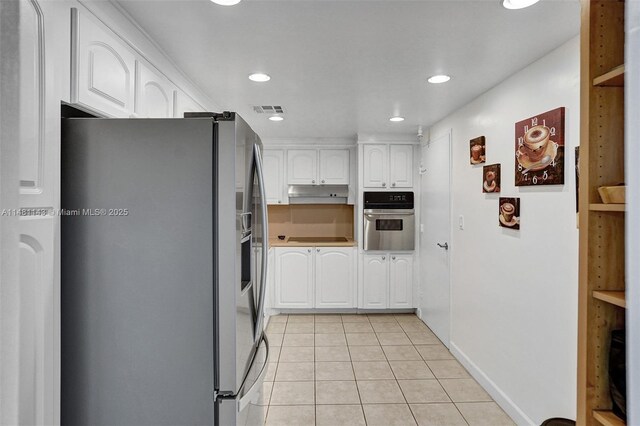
column 600, row 207
column 613, row 78
column 607, row 418
column 602, row 226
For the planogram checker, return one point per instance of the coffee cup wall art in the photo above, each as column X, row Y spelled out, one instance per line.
column 491, row 178
column 477, row 153
column 540, row 149
column 509, row 212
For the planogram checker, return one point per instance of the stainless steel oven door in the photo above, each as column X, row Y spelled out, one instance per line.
column 389, row 229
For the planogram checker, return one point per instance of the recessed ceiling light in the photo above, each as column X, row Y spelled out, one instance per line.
column 518, row 4
column 396, row 119
column 437, row 79
column 226, row 2
column 259, row 77
column 276, row 118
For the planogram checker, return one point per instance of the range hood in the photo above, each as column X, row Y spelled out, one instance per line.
column 318, row 194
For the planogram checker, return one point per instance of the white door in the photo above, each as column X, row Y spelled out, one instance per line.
column 294, row 278
column 435, row 218
column 375, row 281
column 273, row 163
column 401, row 281
column 302, row 166
column 401, row 166
column 334, row 167
column 376, row 165
column 335, row 281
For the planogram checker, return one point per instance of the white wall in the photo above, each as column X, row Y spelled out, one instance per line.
column 632, row 156
column 514, row 293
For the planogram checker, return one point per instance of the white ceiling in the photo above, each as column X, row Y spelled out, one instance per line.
column 344, row 67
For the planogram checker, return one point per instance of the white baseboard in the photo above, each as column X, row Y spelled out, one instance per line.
column 492, row 389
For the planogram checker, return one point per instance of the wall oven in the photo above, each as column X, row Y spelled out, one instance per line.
column 389, row 221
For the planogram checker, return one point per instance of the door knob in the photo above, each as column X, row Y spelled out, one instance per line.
column 444, row 246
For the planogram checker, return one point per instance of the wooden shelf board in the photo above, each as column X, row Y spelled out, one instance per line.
column 614, row 78
column 607, row 418
column 601, row 207
column 614, row 297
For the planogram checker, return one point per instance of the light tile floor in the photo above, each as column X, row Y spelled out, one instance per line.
column 380, row 369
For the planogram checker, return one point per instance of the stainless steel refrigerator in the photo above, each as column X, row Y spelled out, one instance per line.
column 164, row 242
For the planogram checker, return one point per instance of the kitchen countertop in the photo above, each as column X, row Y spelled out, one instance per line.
column 274, row 242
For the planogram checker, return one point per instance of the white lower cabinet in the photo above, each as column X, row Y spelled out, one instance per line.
column 294, row 278
column 314, row 277
column 335, row 280
column 387, row 281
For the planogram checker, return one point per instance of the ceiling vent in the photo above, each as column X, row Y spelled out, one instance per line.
column 268, row 109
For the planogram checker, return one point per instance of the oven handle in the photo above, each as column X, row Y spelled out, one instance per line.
column 373, row 215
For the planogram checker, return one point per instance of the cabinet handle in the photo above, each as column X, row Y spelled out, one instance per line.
column 384, row 184
column 322, row 180
column 393, row 258
column 279, row 201
column 318, row 250
column 384, row 257
column 308, row 250
column 313, row 181
column 393, row 184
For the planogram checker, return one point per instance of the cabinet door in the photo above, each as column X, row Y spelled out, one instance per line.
column 294, row 278
column 334, row 166
column 302, row 166
column 401, row 166
column 401, row 281
column 103, row 68
column 184, row 103
column 376, row 166
column 375, row 281
column 335, row 280
column 154, row 93
column 273, row 162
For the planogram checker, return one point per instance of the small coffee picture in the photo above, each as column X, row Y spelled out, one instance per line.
column 509, row 213
column 477, row 147
column 540, row 149
column 491, row 178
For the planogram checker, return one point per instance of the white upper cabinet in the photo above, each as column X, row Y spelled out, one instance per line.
column 318, row 167
column 401, row 166
column 294, row 278
column 154, row 93
column 376, row 166
column 334, row 167
column 335, row 277
column 103, row 68
column 302, row 166
column 401, row 281
column 273, row 162
column 388, row 166
column 375, row 281
column 184, row 103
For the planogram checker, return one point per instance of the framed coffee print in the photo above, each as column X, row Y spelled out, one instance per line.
column 491, row 178
column 477, row 150
column 509, row 213
column 540, row 149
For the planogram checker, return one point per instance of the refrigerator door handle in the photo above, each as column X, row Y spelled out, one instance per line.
column 265, row 244
column 249, row 396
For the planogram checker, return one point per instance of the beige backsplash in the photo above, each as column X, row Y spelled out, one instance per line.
column 311, row 220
